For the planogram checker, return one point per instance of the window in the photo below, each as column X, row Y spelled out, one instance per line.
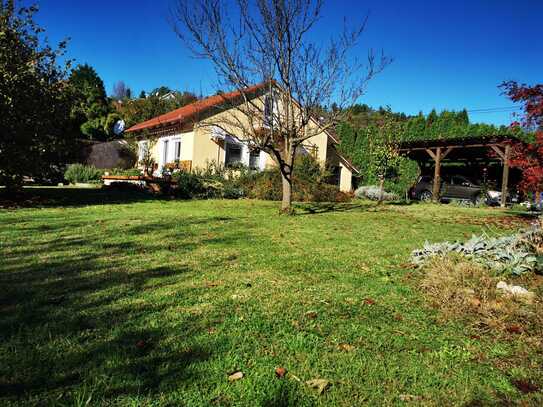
column 177, row 150
column 232, row 154
column 458, row 180
column 165, row 152
column 426, row 179
column 143, row 149
column 254, row 159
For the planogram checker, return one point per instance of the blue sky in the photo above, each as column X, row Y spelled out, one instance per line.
column 447, row 55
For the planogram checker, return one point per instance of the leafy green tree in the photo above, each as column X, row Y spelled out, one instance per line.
column 109, row 123
column 35, row 100
column 383, row 149
column 91, row 107
column 406, row 173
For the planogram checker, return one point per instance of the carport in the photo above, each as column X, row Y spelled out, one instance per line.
column 465, row 150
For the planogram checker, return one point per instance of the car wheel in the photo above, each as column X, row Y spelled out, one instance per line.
column 425, row 196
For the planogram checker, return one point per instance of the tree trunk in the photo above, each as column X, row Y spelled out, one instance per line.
column 381, row 189
column 287, row 167
column 286, row 203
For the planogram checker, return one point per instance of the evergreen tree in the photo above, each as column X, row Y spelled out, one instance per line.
column 432, row 118
column 463, row 117
column 91, row 107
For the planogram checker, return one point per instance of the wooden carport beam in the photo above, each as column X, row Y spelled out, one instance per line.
column 437, row 157
column 504, row 156
column 437, row 170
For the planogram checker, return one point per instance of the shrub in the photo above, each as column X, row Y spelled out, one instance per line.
column 372, row 193
column 189, row 185
column 406, row 173
column 515, row 254
column 215, row 181
column 266, row 185
column 328, row 193
column 231, row 191
column 83, row 173
column 130, row 172
column 309, row 183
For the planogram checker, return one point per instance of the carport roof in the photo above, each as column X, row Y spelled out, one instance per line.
column 467, row 149
column 473, row 141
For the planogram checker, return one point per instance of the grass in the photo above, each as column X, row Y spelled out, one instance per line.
column 113, row 298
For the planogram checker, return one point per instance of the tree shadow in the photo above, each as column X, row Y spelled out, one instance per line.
column 96, row 303
column 529, row 215
column 312, row 208
column 43, row 197
column 402, row 202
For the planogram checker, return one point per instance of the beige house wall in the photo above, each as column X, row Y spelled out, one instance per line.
column 345, row 178
column 201, row 148
column 187, row 146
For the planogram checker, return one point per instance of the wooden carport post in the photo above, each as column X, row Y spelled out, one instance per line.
column 504, row 155
column 437, row 175
column 437, row 157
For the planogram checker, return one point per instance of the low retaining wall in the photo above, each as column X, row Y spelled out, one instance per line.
column 155, row 184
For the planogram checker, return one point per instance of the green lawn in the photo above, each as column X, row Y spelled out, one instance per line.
column 111, row 298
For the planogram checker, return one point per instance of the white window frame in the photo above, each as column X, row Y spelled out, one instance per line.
column 176, row 149
column 143, row 148
column 165, row 148
column 229, row 143
column 258, row 153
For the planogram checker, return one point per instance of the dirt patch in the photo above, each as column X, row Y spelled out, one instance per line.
column 509, row 221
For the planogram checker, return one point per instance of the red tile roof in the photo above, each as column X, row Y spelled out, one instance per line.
column 190, row 112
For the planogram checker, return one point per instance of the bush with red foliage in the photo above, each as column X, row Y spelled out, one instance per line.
column 528, row 157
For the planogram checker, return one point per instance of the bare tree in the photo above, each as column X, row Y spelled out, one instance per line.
column 121, row 91
column 267, row 41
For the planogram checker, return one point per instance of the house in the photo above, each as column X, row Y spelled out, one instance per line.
column 189, row 136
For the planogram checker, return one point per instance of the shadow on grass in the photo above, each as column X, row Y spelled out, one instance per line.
column 37, row 197
column 523, row 214
column 86, row 314
column 312, row 208
column 402, row 202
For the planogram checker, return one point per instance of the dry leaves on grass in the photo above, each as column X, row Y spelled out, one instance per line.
column 525, row 386
column 409, row 397
column 235, row 376
column 311, row 314
column 280, row 372
column 346, row 347
column 318, row 384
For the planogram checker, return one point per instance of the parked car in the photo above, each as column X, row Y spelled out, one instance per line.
column 456, row 187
